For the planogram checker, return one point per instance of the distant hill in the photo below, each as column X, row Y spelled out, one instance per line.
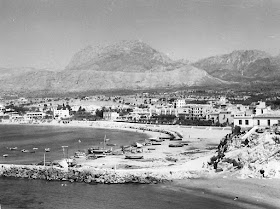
column 242, row 65
column 125, row 65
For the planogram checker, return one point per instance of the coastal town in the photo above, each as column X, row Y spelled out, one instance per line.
column 188, row 138
column 193, row 108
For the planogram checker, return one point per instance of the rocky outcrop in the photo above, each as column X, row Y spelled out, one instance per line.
column 255, row 155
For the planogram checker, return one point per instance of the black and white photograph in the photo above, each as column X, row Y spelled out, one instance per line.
column 139, row 104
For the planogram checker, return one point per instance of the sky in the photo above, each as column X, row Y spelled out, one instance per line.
column 47, row 33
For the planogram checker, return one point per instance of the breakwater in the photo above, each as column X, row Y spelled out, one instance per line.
column 75, row 175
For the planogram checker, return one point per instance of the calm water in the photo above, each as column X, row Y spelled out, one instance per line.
column 23, row 193
column 41, row 137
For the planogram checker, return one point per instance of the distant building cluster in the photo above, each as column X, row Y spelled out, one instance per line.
column 142, row 108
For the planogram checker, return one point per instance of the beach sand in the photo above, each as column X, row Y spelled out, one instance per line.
column 253, row 193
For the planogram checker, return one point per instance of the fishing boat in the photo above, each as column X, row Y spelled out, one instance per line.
column 100, row 155
column 134, row 157
column 79, row 154
column 176, row 145
column 156, row 140
column 5, row 155
column 156, row 143
column 25, row 150
column 13, row 148
column 96, row 151
column 47, row 149
column 111, row 145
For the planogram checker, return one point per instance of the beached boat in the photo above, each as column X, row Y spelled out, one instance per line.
column 176, row 145
column 134, row 157
column 100, row 155
column 79, row 154
column 156, row 143
column 111, row 145
column 176, row 139
column 156, row 140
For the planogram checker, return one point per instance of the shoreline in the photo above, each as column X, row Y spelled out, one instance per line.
column 163, row 162
column 187, row 175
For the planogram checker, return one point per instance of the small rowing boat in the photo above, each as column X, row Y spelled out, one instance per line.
column 134, row 157
column 25, row 150
column 176, row 145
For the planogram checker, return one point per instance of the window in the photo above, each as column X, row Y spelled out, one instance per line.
column 240, row 122
column 268, row 122
column 258, row 122
column 246, row 122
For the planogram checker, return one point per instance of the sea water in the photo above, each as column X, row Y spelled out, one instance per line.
column 24, row 193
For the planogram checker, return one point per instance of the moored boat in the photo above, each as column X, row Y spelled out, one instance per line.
column 25, row 150
column 5, row 155
column 13, row 148
column 47, row 149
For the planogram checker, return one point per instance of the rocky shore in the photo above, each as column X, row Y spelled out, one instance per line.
column 75, row 175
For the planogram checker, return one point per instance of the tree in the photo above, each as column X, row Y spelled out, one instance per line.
column 236, row 130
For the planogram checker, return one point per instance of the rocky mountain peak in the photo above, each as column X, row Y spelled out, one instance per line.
column 125, row 55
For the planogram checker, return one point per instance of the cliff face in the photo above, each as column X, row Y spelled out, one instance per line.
column 128, row 65
column 242, row 65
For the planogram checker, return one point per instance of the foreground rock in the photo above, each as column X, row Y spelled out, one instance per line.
column 251, row 154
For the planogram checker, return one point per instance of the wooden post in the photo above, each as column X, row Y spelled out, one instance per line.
column 44, row 161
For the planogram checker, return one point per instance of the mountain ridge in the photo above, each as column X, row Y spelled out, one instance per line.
column 242, row 65
column 129, row 65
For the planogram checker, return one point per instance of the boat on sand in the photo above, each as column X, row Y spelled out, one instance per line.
column 134, row 157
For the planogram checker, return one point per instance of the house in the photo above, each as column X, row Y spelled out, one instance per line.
column 35, row 115
column 243, row 120
column 110, row 115
column 60, row 113
column 225, row 117
column 268, row 119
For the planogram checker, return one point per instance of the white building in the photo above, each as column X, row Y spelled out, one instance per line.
column 180, row 103
column 110, row 115
column 61, row 113
column 35, row 115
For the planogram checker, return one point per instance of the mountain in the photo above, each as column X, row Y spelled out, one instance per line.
column 129, row 56
column 127, row 65
column 242, row 65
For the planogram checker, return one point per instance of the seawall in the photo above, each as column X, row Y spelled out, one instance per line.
column 75, row 175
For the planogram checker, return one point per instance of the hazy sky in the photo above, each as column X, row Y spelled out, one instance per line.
column 47, row 33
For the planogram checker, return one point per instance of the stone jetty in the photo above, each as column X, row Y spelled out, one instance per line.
column 75, row 175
